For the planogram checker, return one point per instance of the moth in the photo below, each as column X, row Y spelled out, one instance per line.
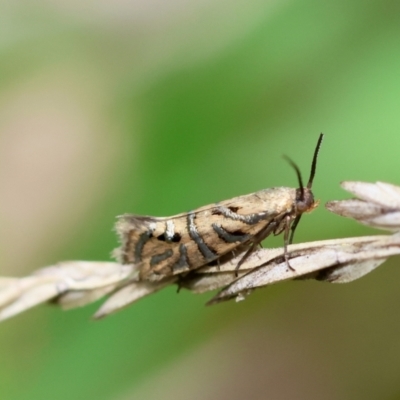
column 166, row 246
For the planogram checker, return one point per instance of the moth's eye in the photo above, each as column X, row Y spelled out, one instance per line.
column 234, row 209
column 302, row 206
column 306, row 202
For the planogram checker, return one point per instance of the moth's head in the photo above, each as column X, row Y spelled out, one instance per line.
column 305, row 200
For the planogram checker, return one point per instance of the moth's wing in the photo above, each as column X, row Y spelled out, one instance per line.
column 164, row 246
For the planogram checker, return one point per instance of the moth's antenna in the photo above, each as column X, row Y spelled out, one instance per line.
column 314, row 161
column 313, row 167
column 296, row 168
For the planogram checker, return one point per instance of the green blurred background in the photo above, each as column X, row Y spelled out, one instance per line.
column 157, row 107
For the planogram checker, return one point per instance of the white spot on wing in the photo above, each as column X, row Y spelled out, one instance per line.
column 170, row 232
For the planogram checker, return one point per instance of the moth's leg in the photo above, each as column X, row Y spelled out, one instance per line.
column 255, row 242
column 179, row 282
column 293, row 228
column 245, row 256
column 286, row 240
